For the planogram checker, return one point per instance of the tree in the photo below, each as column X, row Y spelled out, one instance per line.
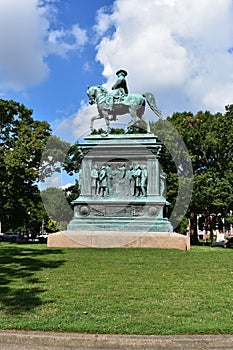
column 22, row 143
column 176, row 163
column 72, row 192
column 59, row 212
column 208, row 140
column 72, row 162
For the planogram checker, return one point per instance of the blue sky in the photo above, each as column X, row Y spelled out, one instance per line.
column 51, row 50
column 58, row 94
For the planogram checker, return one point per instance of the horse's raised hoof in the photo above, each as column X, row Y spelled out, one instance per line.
column 114, row 118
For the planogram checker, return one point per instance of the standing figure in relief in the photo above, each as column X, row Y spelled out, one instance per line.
column 94, row 180
column 137, row 178
column 129, row 176
column 121, row 174
column 144, row 177
column 103, row 183
column 109, row 178
column 122, row 171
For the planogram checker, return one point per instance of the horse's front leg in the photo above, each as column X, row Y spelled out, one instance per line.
column 96, row 117
column 114, row 117
column 106, row 118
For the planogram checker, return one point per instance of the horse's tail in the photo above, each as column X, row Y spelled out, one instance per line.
column 150, row 99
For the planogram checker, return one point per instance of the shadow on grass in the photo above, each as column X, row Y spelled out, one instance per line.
column 20, row 290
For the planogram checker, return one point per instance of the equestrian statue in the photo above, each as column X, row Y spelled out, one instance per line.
column 119, row 102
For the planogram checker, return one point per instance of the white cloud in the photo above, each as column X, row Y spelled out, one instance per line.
column 63, row 41
column 27, row 38
column 77, row 126
column 82, row 120
column 177, row 49
column 104, row 21
column 66, row 186
column 54, row 181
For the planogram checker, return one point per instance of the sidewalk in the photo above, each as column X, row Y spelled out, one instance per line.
column 27, row 340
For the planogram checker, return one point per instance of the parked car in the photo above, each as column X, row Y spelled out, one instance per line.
column 228, row 242
column 42, row 237
column 9, row 236
column 218, row 244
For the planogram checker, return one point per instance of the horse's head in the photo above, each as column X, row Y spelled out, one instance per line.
column 91, row 93
column 96, row 94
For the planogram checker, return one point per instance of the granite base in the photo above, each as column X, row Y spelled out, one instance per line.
column 112, row 239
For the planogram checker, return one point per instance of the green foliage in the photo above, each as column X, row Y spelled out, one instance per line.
column 55, row 226
column 176, row 163
column 116, row 131
column 29, row 153
column 139, row 129
column 72, row 162
column 229, row 218
column 72, row 192
column 22, row 140
column 98, row 131
column 57, row 208
column 208, row 138
column 58, row 205
column 55, row 153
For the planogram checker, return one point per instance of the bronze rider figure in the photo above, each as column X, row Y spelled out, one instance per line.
column 120, row 89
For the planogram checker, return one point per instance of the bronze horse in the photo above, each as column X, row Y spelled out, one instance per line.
column 134, row 104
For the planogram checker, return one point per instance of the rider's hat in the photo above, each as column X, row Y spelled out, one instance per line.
column 121, row 71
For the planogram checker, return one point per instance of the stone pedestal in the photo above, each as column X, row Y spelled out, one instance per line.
column 110, row 239
column 126, row 201
column 119, row 202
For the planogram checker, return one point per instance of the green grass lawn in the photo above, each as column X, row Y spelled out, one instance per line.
column 124, row 291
